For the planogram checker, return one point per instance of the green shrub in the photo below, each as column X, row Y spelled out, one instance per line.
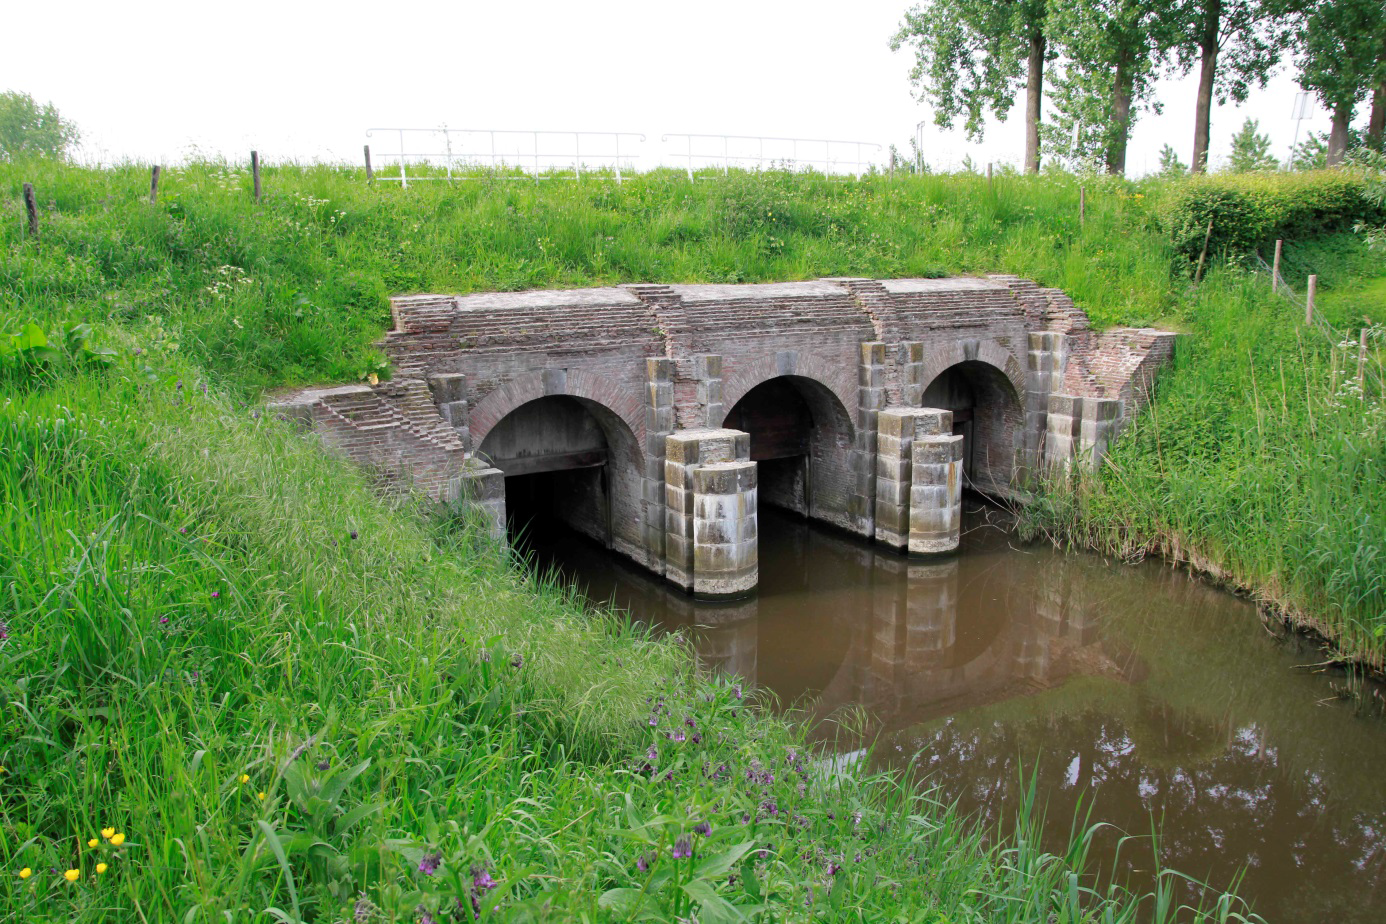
column 1250, row 210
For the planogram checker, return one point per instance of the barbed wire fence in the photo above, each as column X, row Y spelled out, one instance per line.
column 1365, row 349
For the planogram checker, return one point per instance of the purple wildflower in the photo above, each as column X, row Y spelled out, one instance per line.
column 764, row 853
column 429, row 864
column 702, row 828
column 683, row 848
column 216, row 594
column 364, row 910
column 426, row 917
column 163, row 620
column 690, row 722
column 833, row 868
column 352, row 534
column 696, row 738
column 324, row 764
column 4, row 632
column 518, row 661
column 481, row 879
column 652, row 753
column 654, row 720
column 737, row 692
column 745, row 818
column 183, row 530
column 770, row 808
column 678, row 736
column 642, row 863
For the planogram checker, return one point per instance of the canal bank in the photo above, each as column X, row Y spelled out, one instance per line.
column 1138, row 693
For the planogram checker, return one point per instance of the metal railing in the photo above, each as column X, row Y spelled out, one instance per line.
column 702, row 151
column 531, row 152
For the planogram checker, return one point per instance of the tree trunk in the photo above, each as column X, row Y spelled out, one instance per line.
column 1124, row 88
column 1338, row 135
column 1376, row 127
column 1034, row 94
column 1208, row 42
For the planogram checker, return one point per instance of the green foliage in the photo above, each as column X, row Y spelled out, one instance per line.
column 1250, row 210
column 1250, row 150
column 1171, row 166
column 30, row 130
column 1340, row 54
column 1261, row 460
column 970, row 56
column 1113, row 54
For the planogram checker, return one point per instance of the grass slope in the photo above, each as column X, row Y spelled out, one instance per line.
column 200, row 608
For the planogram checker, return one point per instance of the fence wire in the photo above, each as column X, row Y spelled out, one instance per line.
column 1366, row 353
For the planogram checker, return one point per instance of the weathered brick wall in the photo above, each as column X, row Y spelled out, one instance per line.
column 650, row 360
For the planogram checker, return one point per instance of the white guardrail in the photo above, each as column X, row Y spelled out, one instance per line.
column 538, row 154
column 532, row 152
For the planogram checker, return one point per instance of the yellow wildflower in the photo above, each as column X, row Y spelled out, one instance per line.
column 262, row 797
column 25, row 873
column 107, row 832
column 72, row 874
column 93, row 842
column 117, row 839
column 100, row 868
column 245, row 778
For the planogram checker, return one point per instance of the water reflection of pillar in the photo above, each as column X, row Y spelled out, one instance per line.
column 727, row 637
column 913, row 625
column 1061, row 613
column 932, row 604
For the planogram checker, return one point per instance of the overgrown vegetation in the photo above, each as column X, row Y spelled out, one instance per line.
column 201, row 608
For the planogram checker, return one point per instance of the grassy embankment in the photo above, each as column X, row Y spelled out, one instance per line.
column 200, row 608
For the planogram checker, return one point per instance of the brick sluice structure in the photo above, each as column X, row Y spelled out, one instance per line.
column 661, row 416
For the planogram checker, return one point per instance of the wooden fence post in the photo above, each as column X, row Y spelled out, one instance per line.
column 370, row 174
column 154, row 184
column 1275, row 267
column 1309, row 302
column 31, row 205
column 988, row 174
column 255, row 172
column 1082, row 205
column 1203, row 255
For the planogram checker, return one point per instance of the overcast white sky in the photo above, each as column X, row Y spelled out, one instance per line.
column 300, row 80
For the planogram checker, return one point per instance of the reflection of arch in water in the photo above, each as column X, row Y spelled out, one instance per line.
column 988, row 414
column 801, row 437
column 575, row 459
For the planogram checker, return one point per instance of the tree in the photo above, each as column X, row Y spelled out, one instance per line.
column 30, row 130
column 1376, row 124
column 1113, row 52
column 1341, row 59
column 1250, row 150
column 968, row 56
column 1170, row 164
column 1312, row 152
column 1236, row 45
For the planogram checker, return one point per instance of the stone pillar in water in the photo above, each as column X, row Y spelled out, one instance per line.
column 1079, row 429
column 918, row 480
column 711, row 527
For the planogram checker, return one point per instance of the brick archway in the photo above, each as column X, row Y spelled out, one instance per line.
column 606, row 393
column 836, row 378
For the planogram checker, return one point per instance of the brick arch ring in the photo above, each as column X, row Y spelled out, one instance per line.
column 610, row 398
column 940, row 358
column 840, row 380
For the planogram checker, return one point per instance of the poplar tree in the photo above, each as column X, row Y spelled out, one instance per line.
column 971, row 57
column 1113, row 51
column 1250, row 150
column 1341, row 60
column 1236, row 45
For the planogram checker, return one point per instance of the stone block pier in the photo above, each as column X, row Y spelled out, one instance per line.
column 657, row 418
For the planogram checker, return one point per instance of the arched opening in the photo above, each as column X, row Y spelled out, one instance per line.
column 801, row 440
column 568, row 462
column 987, row 414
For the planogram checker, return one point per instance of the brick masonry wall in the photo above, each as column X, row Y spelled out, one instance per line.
column 650, row 360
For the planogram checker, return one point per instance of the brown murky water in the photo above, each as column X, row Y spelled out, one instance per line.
column 1139, row 691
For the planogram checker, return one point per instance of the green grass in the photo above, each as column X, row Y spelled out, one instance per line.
column 389, row 682
column 1259, row 461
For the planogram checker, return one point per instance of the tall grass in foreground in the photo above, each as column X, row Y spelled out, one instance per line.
column 238, row 686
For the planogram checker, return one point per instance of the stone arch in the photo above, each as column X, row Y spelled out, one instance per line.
column 988, row 412
column 943, row 356
column 604, row 396
column 838, row 378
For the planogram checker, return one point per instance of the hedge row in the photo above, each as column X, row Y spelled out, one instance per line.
column 1251, row 210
